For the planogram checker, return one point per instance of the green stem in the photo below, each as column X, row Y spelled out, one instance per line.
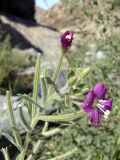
column 38, row 144
column 45, row 127
column 57, row 71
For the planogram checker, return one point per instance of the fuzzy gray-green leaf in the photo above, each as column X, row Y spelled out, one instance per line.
column 36, row 86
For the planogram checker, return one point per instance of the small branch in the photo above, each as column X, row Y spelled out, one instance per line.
column 5, row 153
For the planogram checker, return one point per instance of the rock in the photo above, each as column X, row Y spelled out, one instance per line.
column 23, row 82
column 40, row 39
column 31, row 40
column 94, row 54
column 21, row 8
column 100, row 55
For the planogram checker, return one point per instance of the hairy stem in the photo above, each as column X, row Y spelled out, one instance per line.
column 57, row 71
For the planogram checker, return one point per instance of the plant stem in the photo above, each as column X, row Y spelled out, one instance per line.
column 55, row 75
column 57, row 71
column 38, row 144
column 5, row 153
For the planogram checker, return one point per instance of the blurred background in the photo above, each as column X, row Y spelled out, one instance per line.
column 28, row 27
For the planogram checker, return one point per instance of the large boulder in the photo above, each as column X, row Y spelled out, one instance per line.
column 29, row 40
column 21, row 8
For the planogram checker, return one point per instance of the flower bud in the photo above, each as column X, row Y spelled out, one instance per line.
column 71, row 81
column 82, row 75
column 66, row 40
column 84, row 72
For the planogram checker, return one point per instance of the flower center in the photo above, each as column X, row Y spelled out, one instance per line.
column 101, row 107
column 69, row 37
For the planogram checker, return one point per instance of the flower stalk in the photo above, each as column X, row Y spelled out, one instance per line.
column 66, row 40
column 57, row 71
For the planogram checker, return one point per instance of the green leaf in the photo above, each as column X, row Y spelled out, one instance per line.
column 29, row 99
column 44, row 72
column 12, row 121
column 34, row 121
column 52, row 84
column 44, row 91
column 65, row 155
column 54, row 131
column 67, row 101
column 67, row 117
column 36, row 86
column 23, row 120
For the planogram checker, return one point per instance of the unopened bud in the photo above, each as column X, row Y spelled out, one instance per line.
column 66, row 40
column 71, row 81
column 83, row 74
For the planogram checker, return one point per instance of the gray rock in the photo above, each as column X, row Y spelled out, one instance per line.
column 94, row 54
column 31, row 40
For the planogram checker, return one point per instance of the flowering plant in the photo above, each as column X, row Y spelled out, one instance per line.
column 71, row 94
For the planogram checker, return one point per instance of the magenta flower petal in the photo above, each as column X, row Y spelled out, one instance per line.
column 100, row 90
column 66, row 39
column 90, row 97
column 96, row 104
column 107, row 103
column 87, row 107
column 95, row 117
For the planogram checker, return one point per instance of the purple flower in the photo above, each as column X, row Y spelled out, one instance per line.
column 96, row 104
column 66, row 39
